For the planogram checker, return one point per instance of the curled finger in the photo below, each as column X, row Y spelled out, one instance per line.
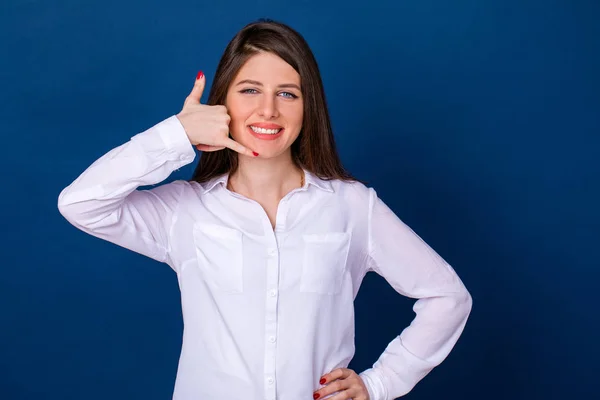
column 207, row 147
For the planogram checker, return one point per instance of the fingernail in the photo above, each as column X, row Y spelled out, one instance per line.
column 322, row 381
column 255, row 154
column 200, row 74
column 316, row 396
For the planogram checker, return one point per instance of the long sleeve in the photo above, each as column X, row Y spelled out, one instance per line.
column 414, row 270
column 105, row 201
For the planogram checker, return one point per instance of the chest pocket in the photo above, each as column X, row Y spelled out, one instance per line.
column 220, row 258
column 324, row 262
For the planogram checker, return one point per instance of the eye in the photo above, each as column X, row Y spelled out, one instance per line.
column 289, row 95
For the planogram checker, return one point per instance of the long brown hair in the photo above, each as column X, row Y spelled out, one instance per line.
column 314, row 149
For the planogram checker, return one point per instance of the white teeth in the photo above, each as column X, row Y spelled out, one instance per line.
column 264, row 131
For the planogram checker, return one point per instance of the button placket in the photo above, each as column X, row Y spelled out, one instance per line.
column 271, row 299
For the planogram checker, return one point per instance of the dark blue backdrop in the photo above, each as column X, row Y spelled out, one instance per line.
column 476, row 121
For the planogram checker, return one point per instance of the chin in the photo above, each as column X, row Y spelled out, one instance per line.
column 270, row 153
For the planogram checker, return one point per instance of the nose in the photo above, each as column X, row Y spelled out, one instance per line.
column 267, row 107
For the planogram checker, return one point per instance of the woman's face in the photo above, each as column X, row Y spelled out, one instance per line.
column 265, row 105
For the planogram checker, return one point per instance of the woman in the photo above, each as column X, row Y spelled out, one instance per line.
column 271, row 238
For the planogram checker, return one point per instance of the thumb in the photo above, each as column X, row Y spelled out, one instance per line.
column 197, row 90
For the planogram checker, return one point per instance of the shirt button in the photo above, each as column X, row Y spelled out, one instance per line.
column 272, row 339
column 270, row 380
column 273, row 293
column 272, row 251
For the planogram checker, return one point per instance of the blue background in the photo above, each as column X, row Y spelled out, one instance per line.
column 478, row 122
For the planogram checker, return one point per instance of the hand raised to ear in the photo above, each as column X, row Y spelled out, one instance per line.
column 206, row 126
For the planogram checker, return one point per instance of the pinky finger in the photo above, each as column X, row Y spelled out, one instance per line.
column 235, row 146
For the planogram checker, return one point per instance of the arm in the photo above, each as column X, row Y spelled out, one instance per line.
column 103, row 200
column 414, row 270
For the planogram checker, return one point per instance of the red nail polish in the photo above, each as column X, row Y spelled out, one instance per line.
column 322, row 381
column 255, row 154
column 316, row 396
column 200, row 74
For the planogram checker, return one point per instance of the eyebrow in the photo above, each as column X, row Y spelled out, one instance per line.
column 257, row 83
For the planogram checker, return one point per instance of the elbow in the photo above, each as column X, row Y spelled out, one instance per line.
column 458, row 303
column 77, row 204
column 463, row 302
column 467, row 302
column 85, row 213
column 68, row 212
column 71, row 208
column 460, row 300
column 64, row 208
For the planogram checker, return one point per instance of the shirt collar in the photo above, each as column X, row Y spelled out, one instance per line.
column 209, row 185
column 310, row 179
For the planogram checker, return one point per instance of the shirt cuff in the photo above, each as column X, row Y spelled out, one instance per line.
column 374, row 384
column 175, row 138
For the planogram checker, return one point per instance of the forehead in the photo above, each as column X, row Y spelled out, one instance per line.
column 268, row 68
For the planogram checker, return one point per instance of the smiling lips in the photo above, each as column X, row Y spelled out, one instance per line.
column 266, row 131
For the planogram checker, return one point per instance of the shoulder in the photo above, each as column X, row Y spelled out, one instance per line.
column 171, row 189
column 174, row 191
column 353, row 192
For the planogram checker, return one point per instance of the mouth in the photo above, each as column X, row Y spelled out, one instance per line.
column 265, row 133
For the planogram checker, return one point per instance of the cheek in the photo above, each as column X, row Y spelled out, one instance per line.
column 298, row 117
column 237, row 120
column 293, row 114
column 239, row 114
column 236, row 108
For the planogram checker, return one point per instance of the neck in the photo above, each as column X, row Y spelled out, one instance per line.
column 265, row 179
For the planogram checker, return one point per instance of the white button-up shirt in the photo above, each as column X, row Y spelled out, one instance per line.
column 268, row 311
